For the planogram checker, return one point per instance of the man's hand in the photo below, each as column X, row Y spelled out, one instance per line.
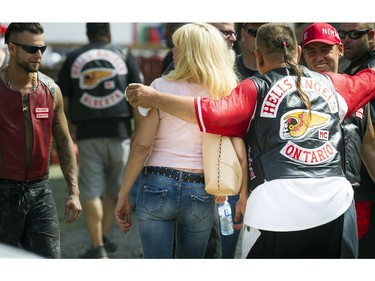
column 140, row 95
column 177, row 105
column 72, row 208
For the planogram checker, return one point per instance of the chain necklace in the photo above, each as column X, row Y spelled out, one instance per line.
column 9, row 85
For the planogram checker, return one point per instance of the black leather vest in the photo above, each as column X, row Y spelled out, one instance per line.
column 354, row 128
column 99, row 78
column 281, row 145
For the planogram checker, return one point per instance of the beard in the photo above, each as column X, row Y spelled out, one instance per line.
column 29, row 67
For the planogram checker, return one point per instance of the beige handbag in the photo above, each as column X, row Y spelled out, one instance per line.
column 222, row 168
column 368, row 146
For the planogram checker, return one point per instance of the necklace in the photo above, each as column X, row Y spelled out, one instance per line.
column 9, row 85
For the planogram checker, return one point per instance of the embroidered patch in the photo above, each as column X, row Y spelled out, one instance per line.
column 316, row 156
column 41, row 112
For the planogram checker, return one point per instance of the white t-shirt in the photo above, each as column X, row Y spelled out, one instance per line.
column 297, row 204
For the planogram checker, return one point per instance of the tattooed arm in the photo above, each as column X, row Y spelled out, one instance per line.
column 68, row 162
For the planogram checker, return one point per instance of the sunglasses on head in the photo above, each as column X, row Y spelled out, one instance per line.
column 353, row 34
column 252, row 32
column 31, row 49
column 228, row 33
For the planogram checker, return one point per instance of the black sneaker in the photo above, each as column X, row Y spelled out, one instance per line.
column 95, row 253
column 109, row 245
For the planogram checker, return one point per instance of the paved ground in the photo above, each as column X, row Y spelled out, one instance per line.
column 74, row 237
column 77, row 241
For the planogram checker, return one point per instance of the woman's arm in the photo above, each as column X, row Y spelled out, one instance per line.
column 139, row 151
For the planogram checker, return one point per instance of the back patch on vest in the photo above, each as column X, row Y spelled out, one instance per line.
column 91, row 76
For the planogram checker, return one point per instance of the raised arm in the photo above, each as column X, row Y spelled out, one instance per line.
column 145, row 96
column 357, row 90
column 229, row 116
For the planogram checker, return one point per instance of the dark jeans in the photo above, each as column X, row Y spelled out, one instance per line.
column 28, row 217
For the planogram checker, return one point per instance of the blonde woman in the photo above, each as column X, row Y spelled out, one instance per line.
column 171, row 200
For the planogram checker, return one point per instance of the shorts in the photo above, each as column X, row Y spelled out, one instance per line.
column 102, row 162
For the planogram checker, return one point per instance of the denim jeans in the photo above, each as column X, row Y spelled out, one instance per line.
column 213, row 250
column 28, row 217
column 167, row 209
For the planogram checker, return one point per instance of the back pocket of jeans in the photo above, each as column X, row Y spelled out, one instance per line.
column 201, row 206
column 153, row 199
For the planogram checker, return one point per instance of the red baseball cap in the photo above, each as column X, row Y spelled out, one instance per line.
column 320, row 32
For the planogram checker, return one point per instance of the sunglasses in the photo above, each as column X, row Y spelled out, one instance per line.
column 353, row 34
column 228, row 33
column 252, row 32
column 31, row 49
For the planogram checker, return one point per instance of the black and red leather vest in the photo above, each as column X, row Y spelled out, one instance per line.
column 26, row 131
column 282, row 144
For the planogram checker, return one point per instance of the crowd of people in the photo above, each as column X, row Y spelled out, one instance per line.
column 296, row 114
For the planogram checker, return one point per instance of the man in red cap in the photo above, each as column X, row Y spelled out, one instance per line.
column 322, row 47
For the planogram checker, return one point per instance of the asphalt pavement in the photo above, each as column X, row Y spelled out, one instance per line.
column 75, row 238
column 75, row 242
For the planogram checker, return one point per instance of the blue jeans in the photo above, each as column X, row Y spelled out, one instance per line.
column 167, row 208
column 133, row 193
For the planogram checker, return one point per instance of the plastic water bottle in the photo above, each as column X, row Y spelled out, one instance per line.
column 225, row 217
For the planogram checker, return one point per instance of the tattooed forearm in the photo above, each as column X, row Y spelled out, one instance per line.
column 68, row 163
column 65, row 147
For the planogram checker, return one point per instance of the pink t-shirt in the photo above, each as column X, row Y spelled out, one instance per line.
column 177, row 143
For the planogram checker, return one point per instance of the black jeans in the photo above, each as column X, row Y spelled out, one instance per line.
column 28, row 217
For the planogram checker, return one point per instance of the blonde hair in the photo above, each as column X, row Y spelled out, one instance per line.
column 204, row 59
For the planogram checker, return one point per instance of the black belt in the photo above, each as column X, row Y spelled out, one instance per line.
column 174, row 174
column 19, row 183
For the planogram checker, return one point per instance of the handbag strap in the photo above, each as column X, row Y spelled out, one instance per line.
column 218, row 162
